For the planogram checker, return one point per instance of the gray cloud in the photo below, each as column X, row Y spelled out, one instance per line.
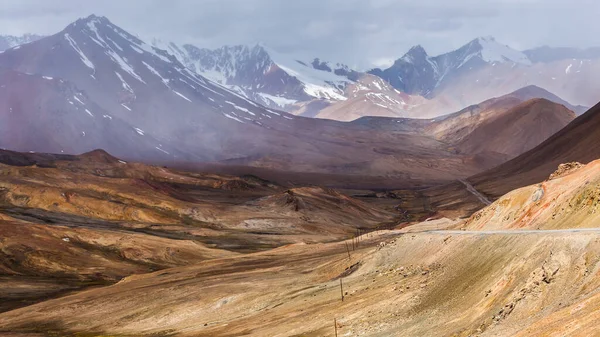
column 357, row 32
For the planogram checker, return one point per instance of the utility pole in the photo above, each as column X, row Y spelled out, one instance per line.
column 342, row 289
column 335, row 326
column 347, row 250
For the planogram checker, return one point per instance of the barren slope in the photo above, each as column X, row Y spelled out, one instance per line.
column 576, row 142
column 570, row 199
column 423, row 280
column 421, row 284
column 518, row 129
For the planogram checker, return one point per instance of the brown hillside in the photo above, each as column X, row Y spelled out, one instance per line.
column 518, row 129
column 576, row 142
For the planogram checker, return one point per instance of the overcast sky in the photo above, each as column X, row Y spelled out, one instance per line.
column 360, row 33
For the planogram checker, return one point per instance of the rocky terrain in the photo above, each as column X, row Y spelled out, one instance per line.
column 95, row 245
column 70, row 222
column 569, row 198
column 428, row 279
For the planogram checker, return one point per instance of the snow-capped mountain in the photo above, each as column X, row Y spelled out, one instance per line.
column 125, row 79
column 481, row 69
column 320, row 89
column 46, row 114
column 418, row 73
column 10, row 41
column 264, row 75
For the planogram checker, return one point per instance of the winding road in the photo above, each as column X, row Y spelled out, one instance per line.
column 515, row 231
column 476, row 193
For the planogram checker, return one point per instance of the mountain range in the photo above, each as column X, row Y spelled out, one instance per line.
column 418, row 73
column 422, row 86
column 417, row 85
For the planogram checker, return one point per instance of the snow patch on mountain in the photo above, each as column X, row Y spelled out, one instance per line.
column 317, row 83
column 280, row 101
column 492, row 51
column 84, row 58
column 263, row 74
column 182, row 96
column 124, row 84
column 155, row 72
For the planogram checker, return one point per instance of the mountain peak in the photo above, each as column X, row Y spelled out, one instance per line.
column 93, row 26
column 417, row 50
column 94, row 17
column 481, row 41
column 492, row 51
column 91, row 18
column 89, row 21
column 415, row 53
column 488, row 38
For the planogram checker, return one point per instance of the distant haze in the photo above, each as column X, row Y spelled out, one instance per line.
column 359, row 33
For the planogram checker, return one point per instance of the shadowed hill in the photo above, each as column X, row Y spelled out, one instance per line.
column 518, row 129
column 576, row 142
